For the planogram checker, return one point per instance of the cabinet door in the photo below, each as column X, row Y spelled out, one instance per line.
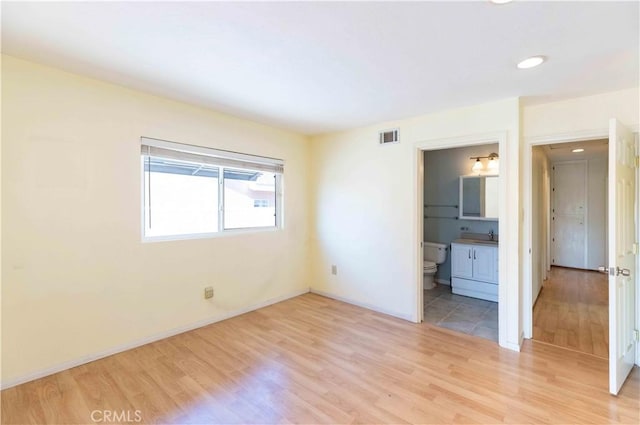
column 461, row 260
column 484, row 264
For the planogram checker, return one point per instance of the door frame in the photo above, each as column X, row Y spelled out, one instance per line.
column 507, row 317
column 527, row 205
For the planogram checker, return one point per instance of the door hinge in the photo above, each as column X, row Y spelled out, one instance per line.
column 635, row 248
column 637, row 161
column 636, row 335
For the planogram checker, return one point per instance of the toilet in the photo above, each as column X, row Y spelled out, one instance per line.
column 434, row 254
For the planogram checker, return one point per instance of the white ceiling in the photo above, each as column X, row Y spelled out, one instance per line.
column 562, row 151
column 317, row 67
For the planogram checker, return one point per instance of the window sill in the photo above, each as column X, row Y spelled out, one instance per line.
column 213, row 235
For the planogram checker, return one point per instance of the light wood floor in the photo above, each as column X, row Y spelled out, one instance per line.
column 572, row 311
column 315, row 360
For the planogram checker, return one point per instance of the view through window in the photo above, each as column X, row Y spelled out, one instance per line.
column 188, row 194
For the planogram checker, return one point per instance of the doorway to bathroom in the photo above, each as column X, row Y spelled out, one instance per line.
column 461, row 230
column 569, row 242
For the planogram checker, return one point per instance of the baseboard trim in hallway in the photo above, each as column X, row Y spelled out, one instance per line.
column 139, row 342
column 550, row 344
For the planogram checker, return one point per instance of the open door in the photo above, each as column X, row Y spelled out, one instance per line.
column 622, row 250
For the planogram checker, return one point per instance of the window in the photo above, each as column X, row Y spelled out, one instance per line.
column 191, row 191
column 240, row 192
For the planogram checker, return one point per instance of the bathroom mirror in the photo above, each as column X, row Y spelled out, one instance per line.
column 479, row 198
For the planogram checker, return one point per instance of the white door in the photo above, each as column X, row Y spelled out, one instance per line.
column 622, row 273
column 568, row 214
column 461, row 261
column 484, row 263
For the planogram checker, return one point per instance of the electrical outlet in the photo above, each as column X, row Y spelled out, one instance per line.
column 208, row 292
column 334, row 269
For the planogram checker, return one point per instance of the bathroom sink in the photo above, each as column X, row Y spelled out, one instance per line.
column 476, row 242
column 490, row 239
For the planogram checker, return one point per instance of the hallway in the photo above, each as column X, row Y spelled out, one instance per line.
column 572, row 311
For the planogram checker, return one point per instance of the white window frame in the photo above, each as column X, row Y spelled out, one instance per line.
column 227, row 160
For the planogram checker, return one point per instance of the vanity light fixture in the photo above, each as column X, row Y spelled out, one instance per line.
column 492, row 165
column 500, row 1
column 578, row 150
column 493, row 162
column 477, row 166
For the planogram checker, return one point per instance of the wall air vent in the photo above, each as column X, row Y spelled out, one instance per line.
column 390, row 136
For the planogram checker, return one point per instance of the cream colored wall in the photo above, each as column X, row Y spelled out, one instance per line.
column 366, row 214
column 581, row 115
column 540, row 219
column 76, row 279
column 1, row 172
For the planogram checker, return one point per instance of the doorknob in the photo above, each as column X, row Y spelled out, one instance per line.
column 615, row 272
column 623, row 272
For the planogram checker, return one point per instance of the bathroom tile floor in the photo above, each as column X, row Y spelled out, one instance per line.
column 459, row 313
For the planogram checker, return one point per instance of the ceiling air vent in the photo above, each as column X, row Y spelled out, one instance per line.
column 390, row 136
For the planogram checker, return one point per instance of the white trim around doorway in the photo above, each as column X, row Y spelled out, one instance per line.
column 527, row 205
column 508, row 293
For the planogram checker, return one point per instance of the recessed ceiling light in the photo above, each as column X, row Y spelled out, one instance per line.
column 500, row 1
column 577, row 150
column 531, row 62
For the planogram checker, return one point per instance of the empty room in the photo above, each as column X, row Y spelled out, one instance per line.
column 319, row 212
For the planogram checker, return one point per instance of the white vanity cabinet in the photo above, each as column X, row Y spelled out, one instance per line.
column 474, row 270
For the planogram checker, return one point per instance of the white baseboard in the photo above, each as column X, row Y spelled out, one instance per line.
column 511, row 346
column 363, row 305
column 443, row 281
column 515, row 346
column 137, row 343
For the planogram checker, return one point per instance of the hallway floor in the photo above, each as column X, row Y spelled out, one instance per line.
column 572, row 311
column 459, row 313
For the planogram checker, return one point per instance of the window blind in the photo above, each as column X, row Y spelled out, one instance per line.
column 215, row 157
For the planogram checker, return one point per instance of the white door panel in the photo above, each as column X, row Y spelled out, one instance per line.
column 622, row 233
column 569, row 241
column 569, row 214
column 569, row 187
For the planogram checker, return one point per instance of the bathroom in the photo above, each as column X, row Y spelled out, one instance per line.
column 461, row 229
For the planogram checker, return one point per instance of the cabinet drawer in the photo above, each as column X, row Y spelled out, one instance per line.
column 475, row 289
